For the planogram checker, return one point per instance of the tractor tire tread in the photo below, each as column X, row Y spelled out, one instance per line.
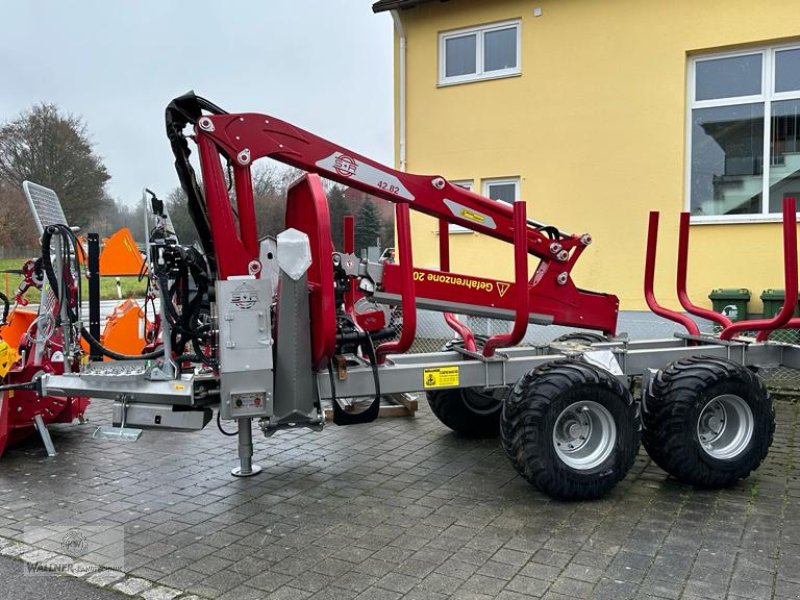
column 526, row 408
column 669, row 427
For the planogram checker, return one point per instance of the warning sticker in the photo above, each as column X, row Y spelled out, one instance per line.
column 473, row 216
column 440, row 377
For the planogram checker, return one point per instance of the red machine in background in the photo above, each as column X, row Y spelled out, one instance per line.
column 32, row 341
column 34, row 344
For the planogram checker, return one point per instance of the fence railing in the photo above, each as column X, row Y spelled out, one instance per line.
column 20, row 251
column 433, row 333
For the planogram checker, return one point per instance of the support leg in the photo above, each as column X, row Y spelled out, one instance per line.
column 246, row 467
column 45, row 435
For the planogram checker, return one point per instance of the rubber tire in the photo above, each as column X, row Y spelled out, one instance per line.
column 452, row 409
column 584, row 337
column 674, row 401
column 529, row 416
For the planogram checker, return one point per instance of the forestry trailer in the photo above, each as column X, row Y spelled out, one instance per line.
column 270, row 329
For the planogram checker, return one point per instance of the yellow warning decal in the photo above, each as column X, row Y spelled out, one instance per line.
column 440, row 377
column 473, row 216
column 8, row 356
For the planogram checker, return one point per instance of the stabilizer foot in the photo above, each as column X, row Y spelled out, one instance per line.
column 239, row 472
column 45, row 435
column 246, row 467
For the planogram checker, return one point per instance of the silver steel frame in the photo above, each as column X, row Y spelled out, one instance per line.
column 404, row 372
column 299, row 389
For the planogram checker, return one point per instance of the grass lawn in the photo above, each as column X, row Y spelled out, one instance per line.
column 108, row 288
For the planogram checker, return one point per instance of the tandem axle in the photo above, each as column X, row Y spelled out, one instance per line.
column 269, row 330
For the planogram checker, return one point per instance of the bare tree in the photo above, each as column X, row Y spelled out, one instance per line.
column 178, row 208
column 17, row 228
column 52, row 149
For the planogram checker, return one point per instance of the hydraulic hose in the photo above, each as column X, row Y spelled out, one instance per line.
column 96, row 345
column 28, row 385
column 6, row 307
column 223, row 430
column 358, row 337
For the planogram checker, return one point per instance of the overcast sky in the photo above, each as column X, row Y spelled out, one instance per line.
column 325, row 65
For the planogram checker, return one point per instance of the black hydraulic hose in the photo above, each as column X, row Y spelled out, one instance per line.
column 28, row 385
column 224, row 432
column 47, row 263
column 181, row 331
column 166, row 299
column 373, row 361
column 68, row 239
column 357, row 337
column 6, row 307
column 190, row 358
column 184, row 110
column 333, row 381
column 97, row 346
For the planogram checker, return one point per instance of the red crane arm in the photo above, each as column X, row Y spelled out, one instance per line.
column 246, row 137
column 243, row 138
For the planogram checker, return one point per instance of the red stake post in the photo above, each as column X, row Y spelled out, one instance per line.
column 464, row 332
column 409, row 299
column 683, row 296
column 766, row 326
column 649, row 277
column 520, row 287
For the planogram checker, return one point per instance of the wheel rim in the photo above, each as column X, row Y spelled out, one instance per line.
column 482, row 403
column 584, row 435
column 725, row 426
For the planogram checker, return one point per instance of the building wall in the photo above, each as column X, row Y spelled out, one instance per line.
column 595, row 128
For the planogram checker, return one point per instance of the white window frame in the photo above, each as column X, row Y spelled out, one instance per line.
column 480, row 74
column 766, row 97
column 485, row 183
column 467, row 184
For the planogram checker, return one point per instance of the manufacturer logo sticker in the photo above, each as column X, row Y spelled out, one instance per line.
column 345, row 165
column 244, row 297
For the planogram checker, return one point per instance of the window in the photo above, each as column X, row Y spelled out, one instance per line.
column 479, row 53
column 504, row 190
column 744, row 134
column 467, row 185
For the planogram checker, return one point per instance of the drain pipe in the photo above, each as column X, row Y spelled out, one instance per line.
column 398, row 27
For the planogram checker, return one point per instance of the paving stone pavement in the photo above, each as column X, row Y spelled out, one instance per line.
column 403, row 508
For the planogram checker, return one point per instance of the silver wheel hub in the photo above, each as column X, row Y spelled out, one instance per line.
column 584, row 435
column 725, row 426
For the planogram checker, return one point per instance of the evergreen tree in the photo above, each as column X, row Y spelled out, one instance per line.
column 337, row 205
column 369, row 226
column 387, row 235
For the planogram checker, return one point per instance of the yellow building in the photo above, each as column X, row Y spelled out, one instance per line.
column 596, row 113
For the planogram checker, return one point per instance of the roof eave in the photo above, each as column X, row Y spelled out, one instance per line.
column 384, row 5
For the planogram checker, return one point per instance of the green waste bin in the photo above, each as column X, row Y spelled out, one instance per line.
column 731, row 302
column 773, row 302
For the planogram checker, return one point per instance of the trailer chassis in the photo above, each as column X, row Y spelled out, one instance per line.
column 286, row 333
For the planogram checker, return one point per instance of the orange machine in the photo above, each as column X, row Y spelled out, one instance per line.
column 125, row 329
column 120, row 255
column 19, row 320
